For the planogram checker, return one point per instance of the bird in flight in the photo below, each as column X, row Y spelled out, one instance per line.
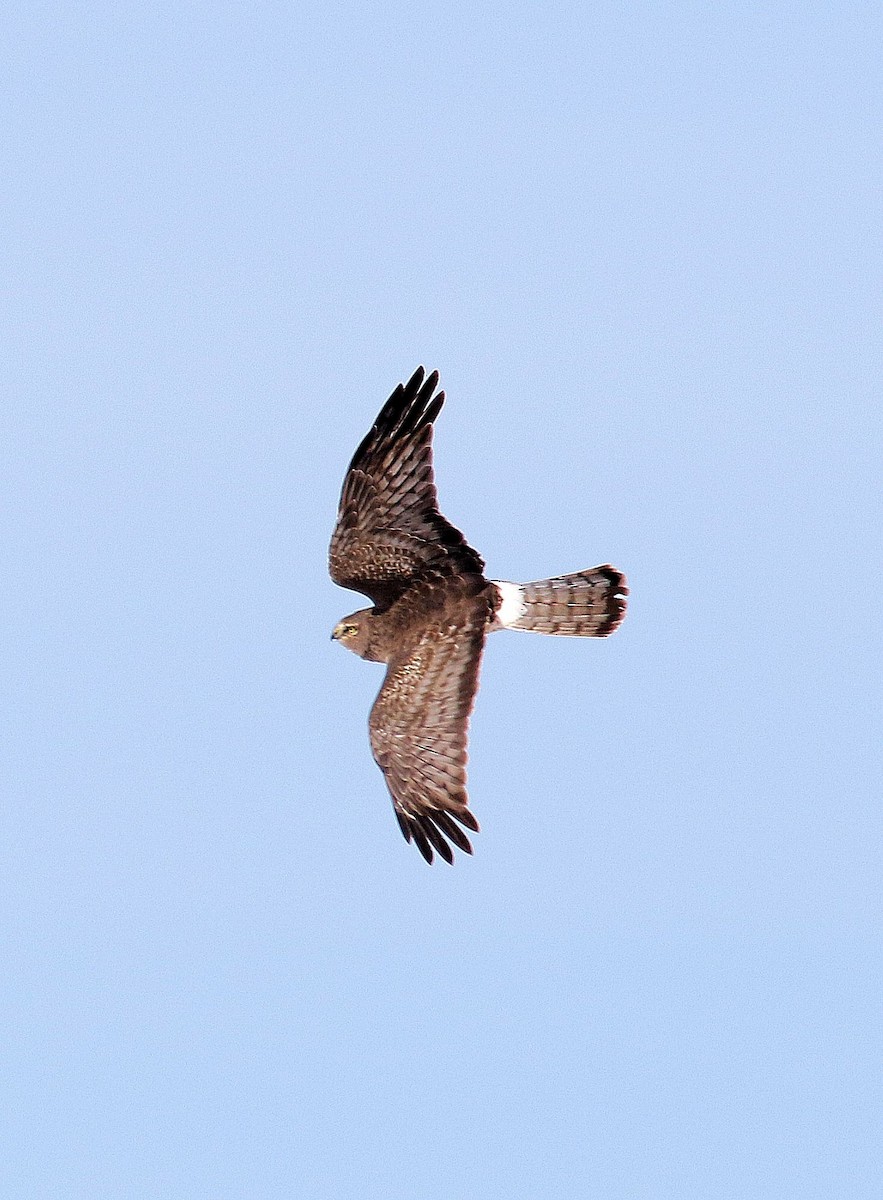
column 432, row 610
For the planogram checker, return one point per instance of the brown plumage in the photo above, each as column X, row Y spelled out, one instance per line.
column 433, row 608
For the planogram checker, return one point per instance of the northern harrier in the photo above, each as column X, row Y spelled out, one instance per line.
column 433, row 608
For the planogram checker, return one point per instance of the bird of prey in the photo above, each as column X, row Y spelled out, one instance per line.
column 432, row 610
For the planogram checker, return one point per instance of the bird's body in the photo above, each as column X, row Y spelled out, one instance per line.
column 433, row 608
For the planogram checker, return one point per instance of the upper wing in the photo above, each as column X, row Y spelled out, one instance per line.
column 389, row 527
column 418, row 726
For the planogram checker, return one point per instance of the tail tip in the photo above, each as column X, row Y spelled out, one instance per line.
column 617, row 602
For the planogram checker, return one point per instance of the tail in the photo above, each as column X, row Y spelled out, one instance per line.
column 586, row 604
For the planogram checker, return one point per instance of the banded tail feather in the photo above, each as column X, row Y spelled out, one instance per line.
column 587, row 603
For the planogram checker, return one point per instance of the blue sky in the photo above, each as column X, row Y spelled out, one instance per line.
column 642, row 245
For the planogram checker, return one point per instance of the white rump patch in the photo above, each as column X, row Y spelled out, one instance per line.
column 512, row 608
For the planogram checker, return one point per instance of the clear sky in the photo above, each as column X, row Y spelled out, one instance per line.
column 642, row 244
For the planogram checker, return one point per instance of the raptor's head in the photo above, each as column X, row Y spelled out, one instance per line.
column 355, row 632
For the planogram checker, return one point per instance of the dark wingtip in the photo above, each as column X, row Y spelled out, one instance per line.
column 410, row 406
column 421, row 843
column 434, row 836
column 428, row 832
column 466, row 817
column 452, row 831
column 419, row 407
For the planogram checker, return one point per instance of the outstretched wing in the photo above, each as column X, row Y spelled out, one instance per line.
column 418, row 725
column 389, row 529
